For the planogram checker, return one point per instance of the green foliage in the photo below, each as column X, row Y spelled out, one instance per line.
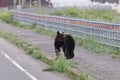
column 6, row 16
column 107, row 17
column 115, row 51
column 84, row 77
column 29, row 50
column 45, row 31
column 61, row 65
column 58, row 13
column 73, row 12
column 36, row 54
column 40, row 12
column 34, row 25
column 90, row 44
column 25, row 26
column 15, row 22
column 81, row 77
column 49, row 69
column 91, row 14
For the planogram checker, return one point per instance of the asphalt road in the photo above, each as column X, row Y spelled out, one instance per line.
column 16, row 65
column 10, row 72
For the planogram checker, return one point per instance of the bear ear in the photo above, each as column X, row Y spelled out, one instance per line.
column 58, row 32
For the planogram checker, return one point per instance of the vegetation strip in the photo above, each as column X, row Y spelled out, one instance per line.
column 89, row 14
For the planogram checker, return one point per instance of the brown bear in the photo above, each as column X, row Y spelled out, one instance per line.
column 66, row 42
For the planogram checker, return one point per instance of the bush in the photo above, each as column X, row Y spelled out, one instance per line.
column 16, row 23
column 71, row 11
column 107, row 17
column 61, row 65
column 29, row 50
column 34, row 25
column 58, row 13
column 40, row 12
column 7, row 17
column 36, row 54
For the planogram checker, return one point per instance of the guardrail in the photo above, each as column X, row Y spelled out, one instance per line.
column 105, row 33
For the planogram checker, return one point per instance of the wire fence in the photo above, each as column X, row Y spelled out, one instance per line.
column 102, row 32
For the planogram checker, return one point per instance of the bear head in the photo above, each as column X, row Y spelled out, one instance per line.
column 59, row 37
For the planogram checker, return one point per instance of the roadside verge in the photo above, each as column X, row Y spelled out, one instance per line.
column 73, row 73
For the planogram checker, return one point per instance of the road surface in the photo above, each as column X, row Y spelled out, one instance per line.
column 16, row 65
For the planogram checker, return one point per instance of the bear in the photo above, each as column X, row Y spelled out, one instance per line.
column 66, row 42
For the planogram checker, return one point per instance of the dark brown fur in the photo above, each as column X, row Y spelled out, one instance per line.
column 66, row 42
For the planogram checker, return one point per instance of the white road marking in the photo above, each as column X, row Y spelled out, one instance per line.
column 18, row 66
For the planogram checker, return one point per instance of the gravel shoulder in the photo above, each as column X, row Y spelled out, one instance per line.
column 100, row 66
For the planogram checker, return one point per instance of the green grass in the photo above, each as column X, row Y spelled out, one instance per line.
column 36, row 54
column 29, row 50
column 90, row 14
column 90, row 44
column 57, row 12
column 61, row 65
column 40, row 12
column 22, row 44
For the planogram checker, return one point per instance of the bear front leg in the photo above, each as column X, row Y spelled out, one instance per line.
column 57, row 50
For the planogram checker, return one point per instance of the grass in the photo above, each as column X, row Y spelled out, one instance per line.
column 64, row 66
column 22, row 44
column 90, row 44
column 36, row 54
column 61, row 65
column 90, row 14
column 45, row 31
column 40, row 12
